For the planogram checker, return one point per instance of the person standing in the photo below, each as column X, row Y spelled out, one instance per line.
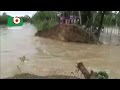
column 78, row 21
column 74, row 19
column 67, row 20
column 62, row 19
column 71, row 19
column 58, row 18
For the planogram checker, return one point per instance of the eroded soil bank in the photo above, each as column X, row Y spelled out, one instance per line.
column 69, row 33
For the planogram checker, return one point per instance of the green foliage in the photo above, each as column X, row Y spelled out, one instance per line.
column 110, row 18
column 44, row 20
column 43, row 15
column 86, row 16
column 44, row 25
column 102, row 75
column 26, row 18
column 118, row 18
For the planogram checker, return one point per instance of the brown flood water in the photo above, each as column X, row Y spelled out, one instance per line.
column 51, row 57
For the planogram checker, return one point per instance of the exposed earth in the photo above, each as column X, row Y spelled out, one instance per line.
column 69, row 33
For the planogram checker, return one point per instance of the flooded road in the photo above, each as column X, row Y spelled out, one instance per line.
column 51, row 57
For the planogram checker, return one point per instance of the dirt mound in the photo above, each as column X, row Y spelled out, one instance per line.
column 70, row 33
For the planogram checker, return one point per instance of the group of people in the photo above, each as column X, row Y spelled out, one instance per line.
column 69, row 19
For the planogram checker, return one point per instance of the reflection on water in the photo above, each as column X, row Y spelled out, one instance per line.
column 48, row 57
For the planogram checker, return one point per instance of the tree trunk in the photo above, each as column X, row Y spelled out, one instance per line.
column 85, row 72
column 80, row 18
column 94, row 14
column 100, row 25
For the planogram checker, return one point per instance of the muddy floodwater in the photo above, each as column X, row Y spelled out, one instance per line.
column 50, row 57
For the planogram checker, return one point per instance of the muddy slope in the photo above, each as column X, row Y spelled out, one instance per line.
column 69, row 33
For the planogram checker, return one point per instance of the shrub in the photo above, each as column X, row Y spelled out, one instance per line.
column 102, row 75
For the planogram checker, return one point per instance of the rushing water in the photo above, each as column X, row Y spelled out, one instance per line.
column 51, row 57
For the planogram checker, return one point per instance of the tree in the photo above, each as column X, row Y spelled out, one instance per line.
column 3, row 18
column 26, row 18
column 44, row 19
column 4, row 14
column 102, row 13
column 80, row 17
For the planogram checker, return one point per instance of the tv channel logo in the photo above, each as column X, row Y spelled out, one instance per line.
column 14, row 21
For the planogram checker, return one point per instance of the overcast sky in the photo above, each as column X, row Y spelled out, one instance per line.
column 19, row 13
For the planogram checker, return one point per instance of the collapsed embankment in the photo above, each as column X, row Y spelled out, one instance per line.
column 69, row 33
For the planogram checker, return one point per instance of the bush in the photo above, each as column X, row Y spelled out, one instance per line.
column 44, row 25
column 102, row 75
column 26, row 18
